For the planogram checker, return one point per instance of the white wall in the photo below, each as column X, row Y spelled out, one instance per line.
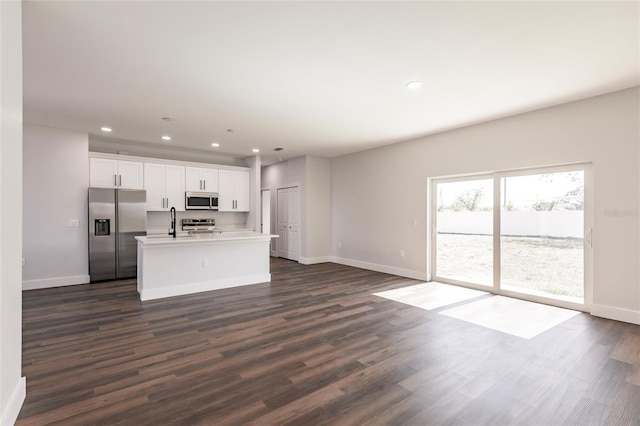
column 313, row 176
column 379, row 197
column 12, row 386
column 255, row 172
column 282, row 175
column 56, row 177
column 318, row 198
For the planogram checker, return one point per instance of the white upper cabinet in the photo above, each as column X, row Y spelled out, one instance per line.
column 166, row 183
column 165, row 186
column 103, row 173
column 174, row 186
column 154, row 185
column 201, row 179
column 233, row 191
column 108, row 173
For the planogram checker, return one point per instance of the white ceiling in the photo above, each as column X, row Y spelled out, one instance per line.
column 319, row 78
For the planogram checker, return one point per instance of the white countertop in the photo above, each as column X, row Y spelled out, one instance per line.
column 204, row 238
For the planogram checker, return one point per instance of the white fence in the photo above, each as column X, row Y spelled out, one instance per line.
column 555, row 223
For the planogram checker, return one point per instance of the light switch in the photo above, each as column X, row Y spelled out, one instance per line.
column 73, row 223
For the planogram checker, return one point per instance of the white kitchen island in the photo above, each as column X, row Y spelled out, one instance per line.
column 188, row 264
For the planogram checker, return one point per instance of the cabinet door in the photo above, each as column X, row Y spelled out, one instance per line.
column 102, row 172
column 242, row 191
column 193, row 180
column 175, row 186
column 154, row 177
column 210, row 179
column 130, row 174
column 226, row 191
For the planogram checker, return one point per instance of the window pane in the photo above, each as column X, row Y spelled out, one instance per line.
column 541, row 241
column 464, row 221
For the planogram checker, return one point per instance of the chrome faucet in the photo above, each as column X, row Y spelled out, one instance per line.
column 172, row 229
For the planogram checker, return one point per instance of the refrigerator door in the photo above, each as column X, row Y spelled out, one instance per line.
column 132, row 222
column 102, row 234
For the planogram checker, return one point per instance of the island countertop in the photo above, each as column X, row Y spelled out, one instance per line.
column 204, row 238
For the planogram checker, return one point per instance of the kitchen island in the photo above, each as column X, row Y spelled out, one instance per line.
column 188, row 264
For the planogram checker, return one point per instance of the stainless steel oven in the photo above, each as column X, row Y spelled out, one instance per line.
column 201, row 201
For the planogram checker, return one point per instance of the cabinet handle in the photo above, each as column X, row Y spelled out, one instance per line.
column 205, row 184
column 120, row 178
column 115, row 180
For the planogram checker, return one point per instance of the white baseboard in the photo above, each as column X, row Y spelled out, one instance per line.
column 179, row 290
column 55, row 282
column 314, row 260
column 10, row 414
column 416, row 275
column 618, row 314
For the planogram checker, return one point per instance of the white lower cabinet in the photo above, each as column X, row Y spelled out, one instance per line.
column 165, row 186
column 233, row 191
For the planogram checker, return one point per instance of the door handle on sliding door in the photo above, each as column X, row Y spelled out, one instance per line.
column 588, row 237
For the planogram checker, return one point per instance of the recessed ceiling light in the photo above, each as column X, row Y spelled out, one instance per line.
column 215, row 145
column 413, row 85
column 105, row 129
column 166, row 138
column 255, row 150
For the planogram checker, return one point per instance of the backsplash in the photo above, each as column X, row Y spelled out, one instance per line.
column 160, row 220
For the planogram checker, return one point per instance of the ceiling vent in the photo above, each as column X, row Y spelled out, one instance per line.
column 278, row 149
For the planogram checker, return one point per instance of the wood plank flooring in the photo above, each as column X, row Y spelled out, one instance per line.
column 312, row 347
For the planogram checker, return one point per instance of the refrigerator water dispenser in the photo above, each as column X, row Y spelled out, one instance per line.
column 102, row 227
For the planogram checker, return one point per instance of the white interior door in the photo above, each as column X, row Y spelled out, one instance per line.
column 294, row 224
column 288, row 244
column 283, row 224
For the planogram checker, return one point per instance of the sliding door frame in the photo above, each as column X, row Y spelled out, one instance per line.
column 497, row 177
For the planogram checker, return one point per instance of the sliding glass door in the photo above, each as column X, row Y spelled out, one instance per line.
column 518, row 233
column 542, row 234
column 464, row 237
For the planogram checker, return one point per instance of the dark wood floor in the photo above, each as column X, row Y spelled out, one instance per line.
column 312, row 347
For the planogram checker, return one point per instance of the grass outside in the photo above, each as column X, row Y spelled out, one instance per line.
column 553, row 266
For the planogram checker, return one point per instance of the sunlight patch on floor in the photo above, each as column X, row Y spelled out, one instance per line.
column 431, row 295
column 512, row 316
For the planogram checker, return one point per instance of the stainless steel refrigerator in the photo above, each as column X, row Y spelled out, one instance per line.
column 116, row 216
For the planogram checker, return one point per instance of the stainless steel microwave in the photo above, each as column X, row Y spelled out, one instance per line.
column 201, row 201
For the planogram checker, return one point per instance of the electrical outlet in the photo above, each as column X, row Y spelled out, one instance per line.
column 73, row 223
column 339, row 245
column 205, row 263
column 401, row 253
column 24, row 262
